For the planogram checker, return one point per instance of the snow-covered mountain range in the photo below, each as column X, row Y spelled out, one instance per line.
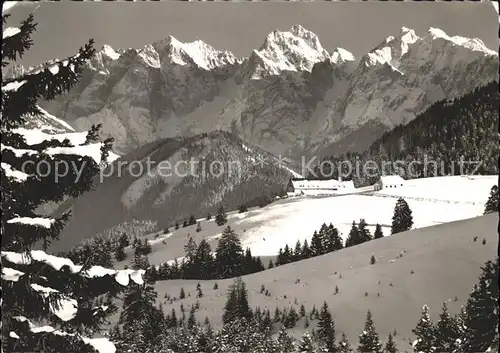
column 290, row 97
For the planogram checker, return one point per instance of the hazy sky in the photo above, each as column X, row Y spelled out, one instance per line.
column 241, row 27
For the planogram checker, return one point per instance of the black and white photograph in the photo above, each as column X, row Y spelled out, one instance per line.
column 250, row 176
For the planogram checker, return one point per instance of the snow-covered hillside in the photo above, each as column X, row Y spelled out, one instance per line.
column 291, row 96
column 265, row 230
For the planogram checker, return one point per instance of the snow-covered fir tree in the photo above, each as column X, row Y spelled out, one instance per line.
column 447, row 331
column 334, row 241
column 480, row 316
column 326, row 329
column 344, row 345
column 142, row 322
column 369, row 341
column 243, row 335
column 306, row 344
column 285, row 342
column 390, row 345
column 49, row 303
column 402, row 220
column 425, row 332
column 204, row 262
column 353, row 238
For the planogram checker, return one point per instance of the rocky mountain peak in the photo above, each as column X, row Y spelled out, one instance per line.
column 297, row 49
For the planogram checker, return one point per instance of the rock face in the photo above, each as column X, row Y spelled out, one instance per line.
column 289, row 97
column 186, row 176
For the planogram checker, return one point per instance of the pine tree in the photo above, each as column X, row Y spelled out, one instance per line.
column 369, row 341
column 271, row 264
column 199, row 292
column 291, row 318
column 344, row 345
column 481, row 311
column 176, row 226
column 425, row 332
column 302, row 310
column 237, row 306
column 182, row 294
column 279, row 257
column 191, row 322
column 248, row 262
column 244, row 310
column 364, row 233
column 378, row 232
column 353, row 238
column 287, row 255
column 326, row 329
column 209, row 216
column 334, row 239
column 173, row 319
column 139, row 316
column 297, row 251
column 447, row 331
column 373, row 260
column 34, row 285
column 192, row 220
column 120, row 254
column 204, row 261
column 402, row 219
column 123, row 241
column 243, row 208
column 190, row 249
column 285, row 342
column 229, row 254
column 306, row 250
column 306, row 344
column 198, row 227
column 491, row 205
column 390, row 346
column 221, row 217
